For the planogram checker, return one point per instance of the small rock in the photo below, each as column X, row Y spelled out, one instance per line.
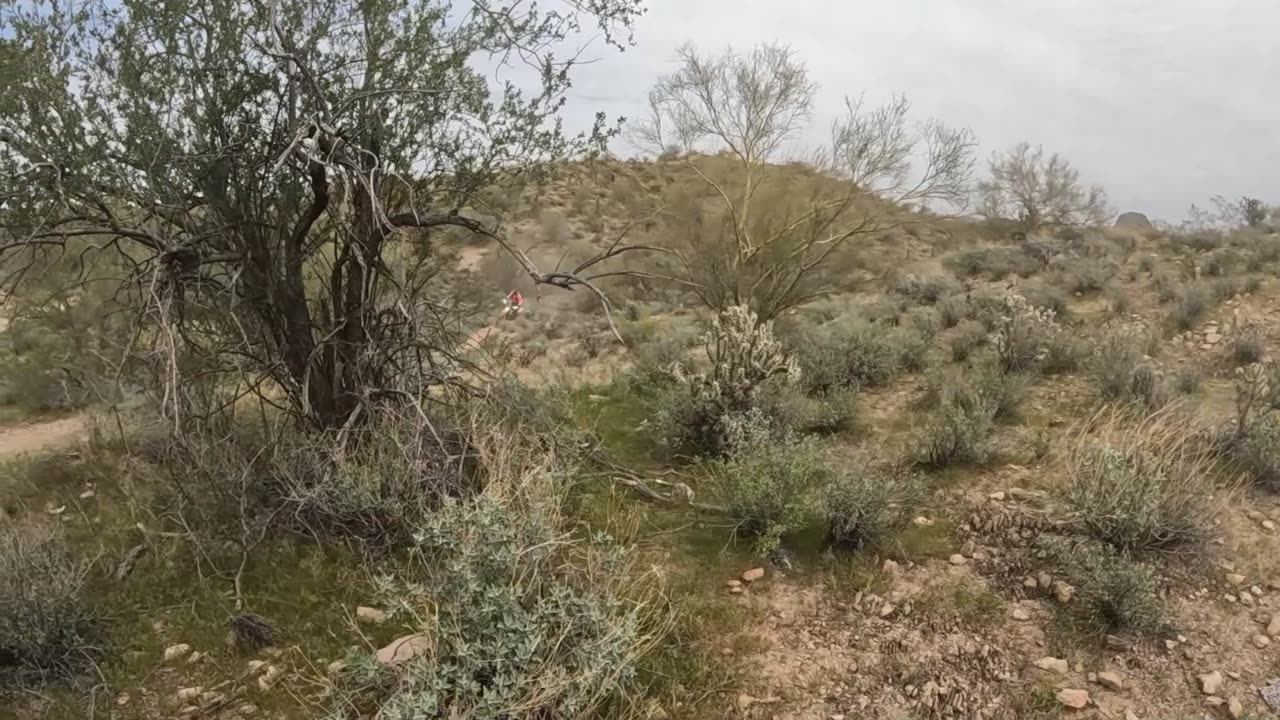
column 256, row 665
column 187, row 694
column 1210, row 683
column 1268, row 525
column 247, row 709
column 1212, row 338
column 1053, row 664
column 1215, row 701
column 1116, row 643
column 1235, row 578
column 404, row 648
column 753, row 574
column 1075, row 699
column 744, row 701
column 1261, row 641
column 1273, row 627
column 734, row 583
column 175, row 652
column 122, row 699
column 968, row 548
column 1170, row 644
column 1246, row 598
column 1233, row 674
column 87, row 495
column 196, row 657
column 1030, row 583
column 1130, row 715
column 886, row 610
column 1062, row 591
column 1044, row 580
column 370, row 615
column 268, row 679
column 1274, row 583
column 335, row 667
column 998, row 495
column 1092, row 677
column 922, row 521
column 1235, row 708
column 1110, row 680
column 736, row 590
column 890, row 567
column 958, row 559
column 1020, row 614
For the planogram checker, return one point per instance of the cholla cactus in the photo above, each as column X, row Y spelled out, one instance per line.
column 1257, row 393
column 744, row 354
column 721, row 414
column 1022, row 337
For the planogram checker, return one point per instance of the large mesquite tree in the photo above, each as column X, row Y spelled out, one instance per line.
column 262, row 167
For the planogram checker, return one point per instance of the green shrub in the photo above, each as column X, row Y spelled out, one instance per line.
column 1258, row 447
column 1114, row 593
column 767, row 486
column 1063, row 353
column 1189, row 307
column 1248, row 343
column 1187, row 381
column 927, row 290
column 1167, row 285
column 1045, row 296
column 863, row 507
column 1002, row 392
column 47, row 621
column 954, row 310
column 855, row 354
column 1118, row 301
column 1143, row 486
column 958, row 431
column 997, row 262
column 1118, row 353
column 522, row 619
column 824, row 414
column 924, row 321
column 967, row 337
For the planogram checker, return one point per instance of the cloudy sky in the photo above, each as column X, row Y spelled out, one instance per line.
column 1163, row 102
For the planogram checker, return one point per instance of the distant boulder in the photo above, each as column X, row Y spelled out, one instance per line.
column 1135, row 220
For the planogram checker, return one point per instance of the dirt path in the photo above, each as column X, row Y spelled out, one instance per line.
column 26, row 438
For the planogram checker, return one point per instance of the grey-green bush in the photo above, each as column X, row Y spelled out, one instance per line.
column 1189, row 306
column 516, row 628
column 967, row 337
column 958, row 431
column 1114, row 593
column 863, row 507
column 1142, row 486
column 47, row 623
column 768, row 486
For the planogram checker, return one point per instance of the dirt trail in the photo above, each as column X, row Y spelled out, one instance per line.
column 26, row 438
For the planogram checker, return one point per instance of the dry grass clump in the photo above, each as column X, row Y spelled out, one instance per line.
column 1144, row 484
column 46, row 619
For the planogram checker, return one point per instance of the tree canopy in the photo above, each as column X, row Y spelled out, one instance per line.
column 258, row 165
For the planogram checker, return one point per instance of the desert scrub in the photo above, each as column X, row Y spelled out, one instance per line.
column 1002, row 392
column 925, row 290
column 768, row 485
column 856, row 354
column 1189, row 306
column 518, row 617
column 1248, row 342
column 958, row 431
column 1117, row 354
column 1022, row 334
column 1145, row 484
column 47, row 623
column 967, row 337
column 863, row 508
column 1064, row 352
column 1113, row 592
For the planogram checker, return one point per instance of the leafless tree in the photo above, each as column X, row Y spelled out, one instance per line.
column 771, row 246
column 1037, row 190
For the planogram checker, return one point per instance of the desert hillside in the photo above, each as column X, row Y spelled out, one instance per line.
column 338, row 379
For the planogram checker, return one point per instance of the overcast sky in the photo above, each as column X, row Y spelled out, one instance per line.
column 1163, row 102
